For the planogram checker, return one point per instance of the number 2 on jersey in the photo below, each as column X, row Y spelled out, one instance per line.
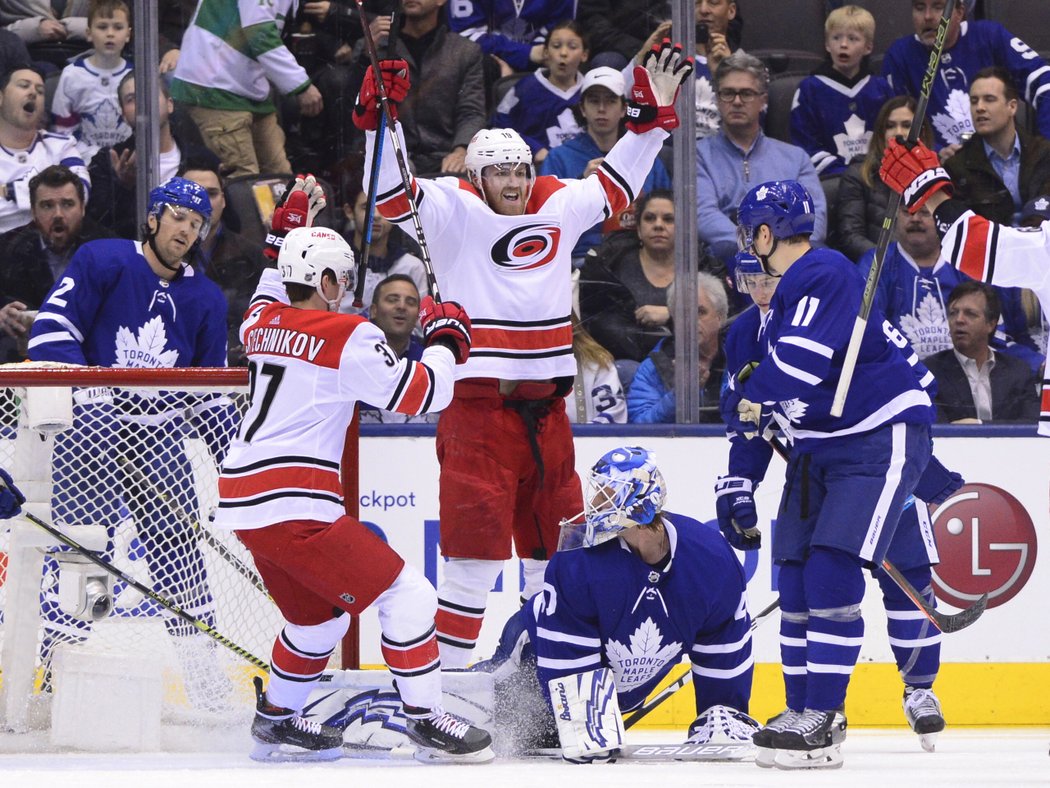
column 274, row 374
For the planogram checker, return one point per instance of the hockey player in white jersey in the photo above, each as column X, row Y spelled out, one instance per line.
column 648, row 588
column 280, row 492
column 983, row 250
column 502, row 247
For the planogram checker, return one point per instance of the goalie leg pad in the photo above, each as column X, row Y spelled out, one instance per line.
column 587, row 712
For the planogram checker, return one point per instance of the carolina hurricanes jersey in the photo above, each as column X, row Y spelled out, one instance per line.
column 307, row 369
column 1000, row 255
column 512, row 273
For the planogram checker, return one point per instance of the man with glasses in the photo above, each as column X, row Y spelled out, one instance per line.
column 741, row 156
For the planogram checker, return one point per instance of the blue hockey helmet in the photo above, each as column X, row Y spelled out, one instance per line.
column 784, row 206
column 623, row 489
column 181, row 193
column 748, row 272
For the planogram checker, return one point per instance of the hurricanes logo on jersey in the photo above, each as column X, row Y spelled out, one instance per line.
column 527, row 248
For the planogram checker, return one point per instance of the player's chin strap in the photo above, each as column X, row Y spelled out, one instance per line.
column 151, row 238
column 764, row 258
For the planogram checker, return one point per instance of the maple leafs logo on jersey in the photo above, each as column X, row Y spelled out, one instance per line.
column 956, row 119
column 708, row 120
column 853, row 142
column 565, row 129
column 926, row 328
column 145, row 349
column 644, row 657
column 794, row 409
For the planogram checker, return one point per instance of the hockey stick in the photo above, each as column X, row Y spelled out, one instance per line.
column 224, row 552
column 370, row 211
column 399, row 154
column 945, row 622
column 685, row 678
column 849, row 363
column 167, row 604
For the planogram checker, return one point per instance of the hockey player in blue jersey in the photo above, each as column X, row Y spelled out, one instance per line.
column 847, row 479
column 126, row 303
column 916, row 645
column 969, row 46
column 647, row 588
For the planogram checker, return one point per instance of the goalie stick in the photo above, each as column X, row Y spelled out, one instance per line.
column 662, row 753
column 849, row 363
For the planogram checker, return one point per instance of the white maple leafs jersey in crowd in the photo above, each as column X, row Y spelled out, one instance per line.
column 512, row 273
column 308, row 368
column 1007, row 257
column 85, row 105
column 604, row 606
column 110, row 309
column 833, row 121
column 597, row 396
column 981, row 43
column 811, row 318
column 17, row 167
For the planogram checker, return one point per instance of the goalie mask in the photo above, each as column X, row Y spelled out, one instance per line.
column 307, row 252
column 500, row 148
column 622, row 490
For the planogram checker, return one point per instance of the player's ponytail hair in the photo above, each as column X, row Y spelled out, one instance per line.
column 586, row 347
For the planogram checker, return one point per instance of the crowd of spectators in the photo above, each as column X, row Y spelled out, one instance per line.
column 268, row 91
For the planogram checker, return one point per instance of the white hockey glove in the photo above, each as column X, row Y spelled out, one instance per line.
column 656, row 85
column 299, row 207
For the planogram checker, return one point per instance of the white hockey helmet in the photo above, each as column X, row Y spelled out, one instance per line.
column 496, row 146
column 307, row 252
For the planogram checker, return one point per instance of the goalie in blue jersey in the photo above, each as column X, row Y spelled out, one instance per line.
column 631, row 590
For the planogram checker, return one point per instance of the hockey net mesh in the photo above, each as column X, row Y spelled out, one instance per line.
column 137, row 471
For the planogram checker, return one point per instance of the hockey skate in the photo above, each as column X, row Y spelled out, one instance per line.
column 443, row 737
column 766, row 752
column 923, row 711
column 812, row 741
column 725, row 733
column 283, row 735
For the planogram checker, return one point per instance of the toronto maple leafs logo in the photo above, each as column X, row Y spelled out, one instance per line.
column 566, row 128
column 147, row 348
column 955, row 120
column 761, row 193
column 642, row 658
column 927, row 326
column 794, row 409
column 1041, row 204
column 707, row 118
column 853, row 141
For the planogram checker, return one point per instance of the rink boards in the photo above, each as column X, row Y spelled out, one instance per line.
column 988, row 536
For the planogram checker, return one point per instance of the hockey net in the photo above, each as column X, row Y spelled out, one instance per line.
column 133, row 476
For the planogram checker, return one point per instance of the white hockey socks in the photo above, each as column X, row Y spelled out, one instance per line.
column 409, row 643
column 300, row 655
column 462, row 596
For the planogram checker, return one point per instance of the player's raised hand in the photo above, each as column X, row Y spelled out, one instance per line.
column 395, row 80
column 656, row 84
column 446, row 323
column 914, row 172
column 299, row 207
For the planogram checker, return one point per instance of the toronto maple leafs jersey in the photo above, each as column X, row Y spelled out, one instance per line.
column 508, row 29
column 746, row 342
column 981, row 43
column 811, row 318
column 110, row 309
column 604, row 607
column 539, row 111
column 833, row 119
column 512, row 274
column 86, row 106
column 17, row 167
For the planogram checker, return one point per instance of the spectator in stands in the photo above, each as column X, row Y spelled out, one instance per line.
column 227, row 63
column 394, row 307
column 597, row 394
column 969, row 46
column 1002, row 166
column 390, row 253
column 651, row 397
column 601, row 109
column 623, row 288
column 85, row 103
column 834, row 109
column 445, row 106
column 975, row 384
column 13, row 52
column 113, row 170
column 227, row 258
column 33, row 257
column 539, row 106
column 38, row 22
column 24, row 149
column 863, row 197
column 512, row 34
column 740, row 155
column 173, row 17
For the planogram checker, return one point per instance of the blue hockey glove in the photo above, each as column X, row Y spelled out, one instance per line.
column 937, row 483
column 737, row 515
column 11, row 498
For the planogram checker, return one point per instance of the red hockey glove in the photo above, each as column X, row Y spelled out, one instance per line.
column 656, row 85
column 446, row 323
column 302, row 201
column 395, row 80
column 914, row 172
